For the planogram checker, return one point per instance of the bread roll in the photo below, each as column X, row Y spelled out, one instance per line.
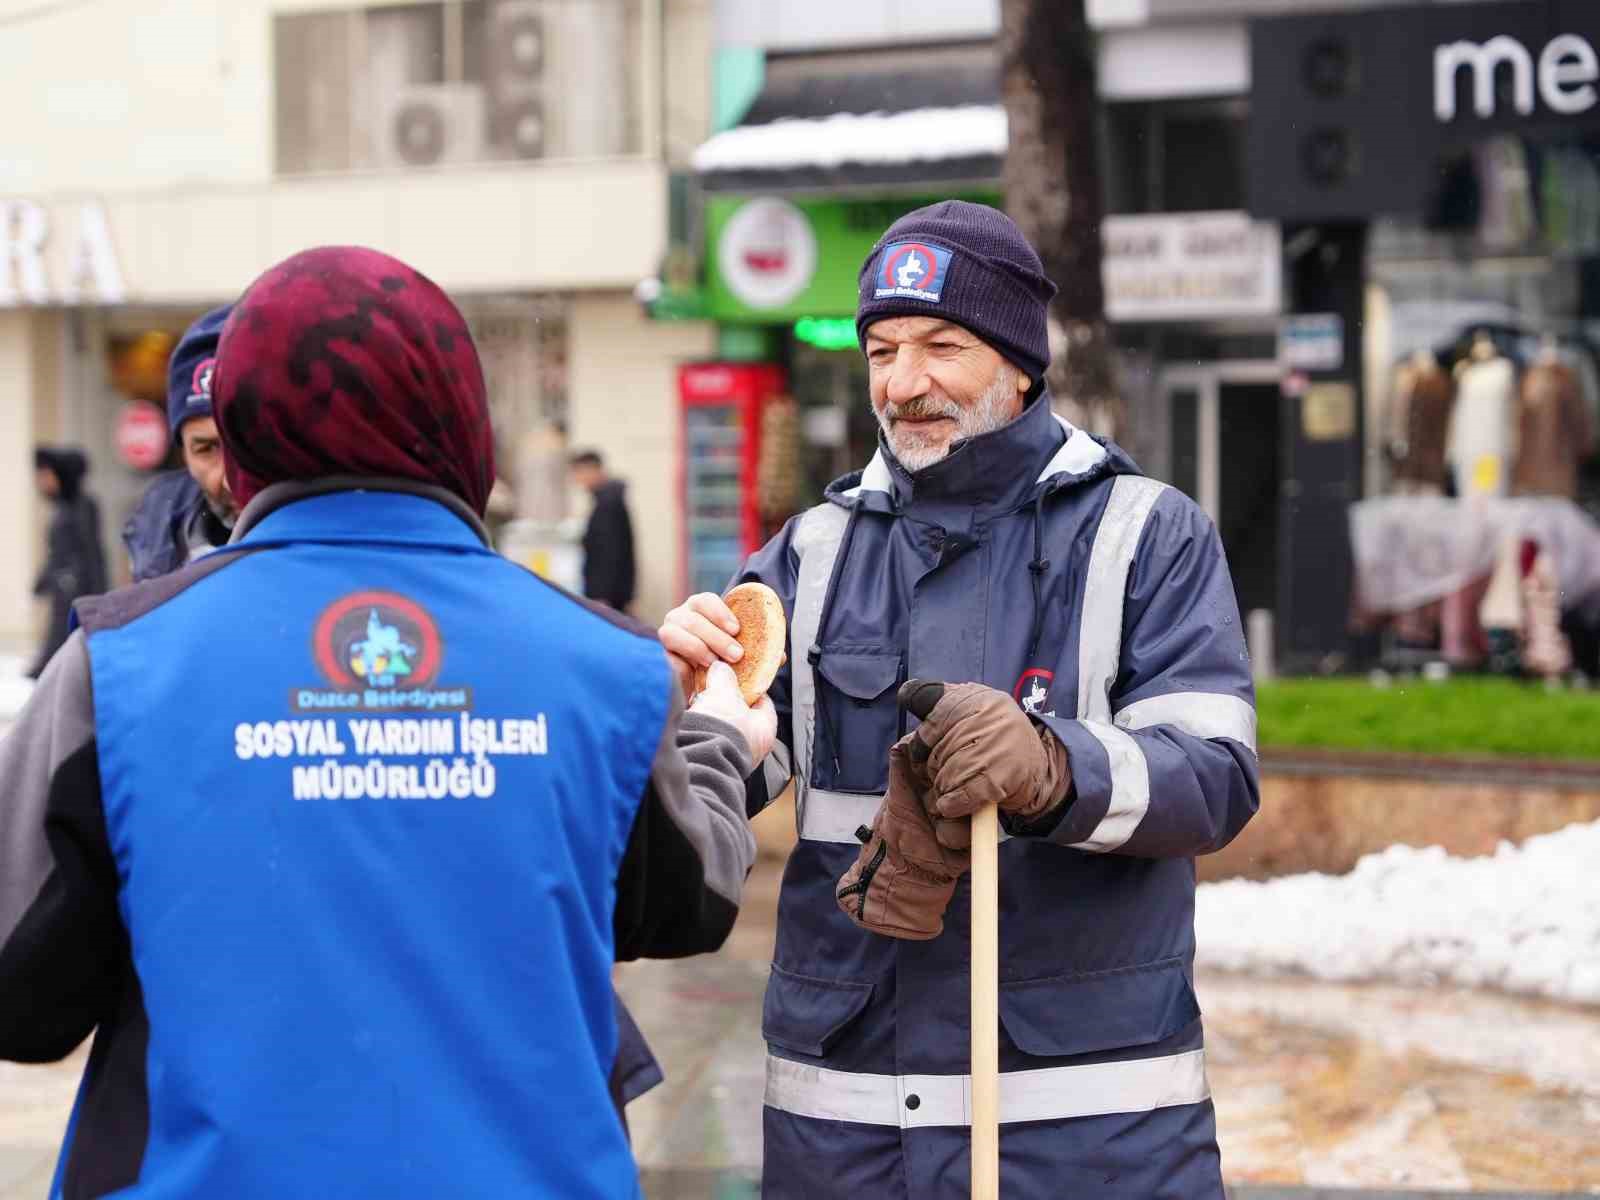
column 763, row 630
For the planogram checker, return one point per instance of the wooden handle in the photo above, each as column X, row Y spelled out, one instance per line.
column 985, row 1004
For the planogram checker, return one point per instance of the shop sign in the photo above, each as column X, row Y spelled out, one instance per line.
column 1311, row 342
column 57, row 256
column 768, row 253
column 1353, row 113
column 141, row 435
column 776, row 261
column 1192, row 266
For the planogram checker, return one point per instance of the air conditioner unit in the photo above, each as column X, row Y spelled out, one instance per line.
column 557, row 77
column 424, row 126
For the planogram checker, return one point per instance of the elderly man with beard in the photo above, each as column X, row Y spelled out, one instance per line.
column 1068, row 632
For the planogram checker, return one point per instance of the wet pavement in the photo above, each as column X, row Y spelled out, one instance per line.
column 1322, row 1091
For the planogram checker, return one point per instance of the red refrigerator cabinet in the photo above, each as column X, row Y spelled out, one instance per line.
column 719, row 433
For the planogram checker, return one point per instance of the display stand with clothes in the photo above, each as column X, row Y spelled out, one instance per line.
column 1479, row 445
column 1554, row 431
column 1424, row 397
column 1419, row 422
column 1481, row 441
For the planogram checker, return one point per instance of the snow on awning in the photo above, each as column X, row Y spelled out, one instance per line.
column 877, row 139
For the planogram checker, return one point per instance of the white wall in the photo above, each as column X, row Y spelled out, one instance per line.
column 472, row 230
column 162, row 110
column 687, row 77
column 623, row 388
column 117, row 96
column 823, row 24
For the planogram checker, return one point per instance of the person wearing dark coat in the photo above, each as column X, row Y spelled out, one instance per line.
column 1066, row 632
column 188, row 511
column 608, row 573
column 75, row 560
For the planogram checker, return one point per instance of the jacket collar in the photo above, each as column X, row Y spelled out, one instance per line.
column 359, row 509
column 994, row 472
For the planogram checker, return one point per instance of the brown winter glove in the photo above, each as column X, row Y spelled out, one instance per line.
column 982, row 749
column 903, row 879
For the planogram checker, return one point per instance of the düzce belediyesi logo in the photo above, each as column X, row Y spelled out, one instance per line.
column 378, row 651
column 913, row 269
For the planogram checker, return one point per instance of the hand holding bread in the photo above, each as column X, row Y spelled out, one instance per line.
column 746, row 629
column 726, row 651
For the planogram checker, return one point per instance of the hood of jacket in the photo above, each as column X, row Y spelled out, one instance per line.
column 69, row 467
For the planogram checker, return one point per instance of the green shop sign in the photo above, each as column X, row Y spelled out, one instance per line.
column 774, row 260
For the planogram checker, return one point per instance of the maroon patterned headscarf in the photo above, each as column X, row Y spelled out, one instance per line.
column 344, row 361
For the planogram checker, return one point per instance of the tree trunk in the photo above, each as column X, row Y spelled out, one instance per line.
column 1052, row 186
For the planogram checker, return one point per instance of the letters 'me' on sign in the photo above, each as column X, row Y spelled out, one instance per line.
column 1356, row 114
column 69, row 247
column 1565, row 75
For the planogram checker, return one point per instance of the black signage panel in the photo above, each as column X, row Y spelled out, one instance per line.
column 1357, row 114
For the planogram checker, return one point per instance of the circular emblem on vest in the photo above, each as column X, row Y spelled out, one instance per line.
column 377, row 639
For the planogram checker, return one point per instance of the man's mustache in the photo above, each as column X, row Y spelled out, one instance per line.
column 922, row 410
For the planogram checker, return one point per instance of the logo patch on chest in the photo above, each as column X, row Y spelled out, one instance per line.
column 1033, row 691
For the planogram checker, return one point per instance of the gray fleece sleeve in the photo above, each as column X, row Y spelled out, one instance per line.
column 691, row 848
column 61, row 940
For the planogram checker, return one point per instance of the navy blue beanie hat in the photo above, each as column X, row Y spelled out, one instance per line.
column 190, row 370
column 969, row 264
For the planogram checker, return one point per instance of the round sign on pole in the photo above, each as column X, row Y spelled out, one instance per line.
column 767, row 253
column 141, row 435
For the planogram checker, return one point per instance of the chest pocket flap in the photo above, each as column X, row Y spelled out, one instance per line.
column 863, row 675
column 858, row 719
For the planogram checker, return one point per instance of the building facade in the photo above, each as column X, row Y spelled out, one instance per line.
column 517, row 151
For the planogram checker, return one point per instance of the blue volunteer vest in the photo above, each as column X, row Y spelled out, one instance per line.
column 368, row 787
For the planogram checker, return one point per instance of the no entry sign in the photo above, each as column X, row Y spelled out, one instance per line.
column 141, row 436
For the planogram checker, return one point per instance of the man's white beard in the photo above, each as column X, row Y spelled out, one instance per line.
column 989, row 412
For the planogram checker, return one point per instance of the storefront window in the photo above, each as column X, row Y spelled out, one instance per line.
column 1504, row 269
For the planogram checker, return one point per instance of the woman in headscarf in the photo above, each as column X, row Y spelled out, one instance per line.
column 75, row 559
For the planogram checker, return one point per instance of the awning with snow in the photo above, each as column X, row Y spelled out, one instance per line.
column 907, row 116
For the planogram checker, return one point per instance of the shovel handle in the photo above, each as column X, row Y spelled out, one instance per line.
column 985, row 1064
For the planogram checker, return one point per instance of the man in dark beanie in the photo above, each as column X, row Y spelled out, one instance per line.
column 1067, row 633
column 189, row 511
column 333, row 835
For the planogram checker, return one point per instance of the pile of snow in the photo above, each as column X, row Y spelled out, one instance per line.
column 918, row 135
column 15, row 687
column 1525, row 919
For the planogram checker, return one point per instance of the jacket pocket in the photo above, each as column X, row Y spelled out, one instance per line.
column 857, row 719
column 1105, row 1010
column 809, row 1015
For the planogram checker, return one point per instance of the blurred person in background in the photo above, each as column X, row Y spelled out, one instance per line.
column 383, row 865
column 189, row 511
column 608, row 572
column 75, row 559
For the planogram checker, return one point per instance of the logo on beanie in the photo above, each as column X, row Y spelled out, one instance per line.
column 200, row 385
column 379, row 651
column 913, row 271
